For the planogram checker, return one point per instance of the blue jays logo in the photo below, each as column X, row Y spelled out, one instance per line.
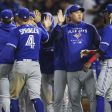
column 77, row 35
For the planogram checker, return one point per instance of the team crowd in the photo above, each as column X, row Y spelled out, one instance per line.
column 47, row 66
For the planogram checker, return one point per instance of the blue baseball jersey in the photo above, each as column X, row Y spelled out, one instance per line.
column 59, row 63
column 5, row 30
column 7, row 27
column 46, row 57
column 77, row 37
column 26, row 39
column 106, row 42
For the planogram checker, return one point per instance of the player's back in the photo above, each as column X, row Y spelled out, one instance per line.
column 28, row 46
column 5, row 29
column 3, row 38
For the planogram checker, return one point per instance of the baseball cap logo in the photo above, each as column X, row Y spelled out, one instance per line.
column 78, row 6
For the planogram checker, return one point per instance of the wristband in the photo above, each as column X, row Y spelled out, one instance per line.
column 92, row 51
column 92, row 59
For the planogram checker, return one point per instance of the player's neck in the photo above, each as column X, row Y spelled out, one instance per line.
column 23, row 23
column 75, row 22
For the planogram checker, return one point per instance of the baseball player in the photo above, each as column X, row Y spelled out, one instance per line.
column 76, row 36
column 6, row 27
column 25, row 102
column 104, row 83
column 46, row 60
column 35, row 19
column 26, row 41
column 59, row 68
column 61, row 99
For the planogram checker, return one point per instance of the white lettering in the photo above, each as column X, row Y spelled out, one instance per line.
column 75, row 30
column 28, row 30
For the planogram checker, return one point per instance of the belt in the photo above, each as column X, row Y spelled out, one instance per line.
column 27, row 60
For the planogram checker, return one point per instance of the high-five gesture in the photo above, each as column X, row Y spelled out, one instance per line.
column 61, row 17
column 37, row 16
column 47, row 22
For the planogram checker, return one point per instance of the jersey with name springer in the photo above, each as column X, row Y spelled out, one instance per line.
column 26, row 38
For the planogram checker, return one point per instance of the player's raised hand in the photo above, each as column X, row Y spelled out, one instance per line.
column 37, row 16
column 47, row 22
column 86, row 66
column 61, row 17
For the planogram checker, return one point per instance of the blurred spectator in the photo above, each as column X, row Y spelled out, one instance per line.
column 98, row 2
column 80, row 2
column 99, row 22
column 65, row 3
column 32, row 4
column 29, row 4
column 39, row 4
column 51, row 6
column 100, row 7
column 92, row 7
column 9, row 4
column 88, row 5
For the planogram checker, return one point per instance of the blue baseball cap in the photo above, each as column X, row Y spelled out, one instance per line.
column 67, row 11
column 75, row 8
column 7, row 13
column 23, row 13
column 108, row 8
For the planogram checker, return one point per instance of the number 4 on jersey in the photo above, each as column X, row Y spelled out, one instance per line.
column 30, row 41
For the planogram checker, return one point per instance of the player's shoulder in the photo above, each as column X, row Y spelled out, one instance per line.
column 108, row 27
column 14, row 31
column 8, row 27
column 65, row 26
column 88, row 25
column 25, row 26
